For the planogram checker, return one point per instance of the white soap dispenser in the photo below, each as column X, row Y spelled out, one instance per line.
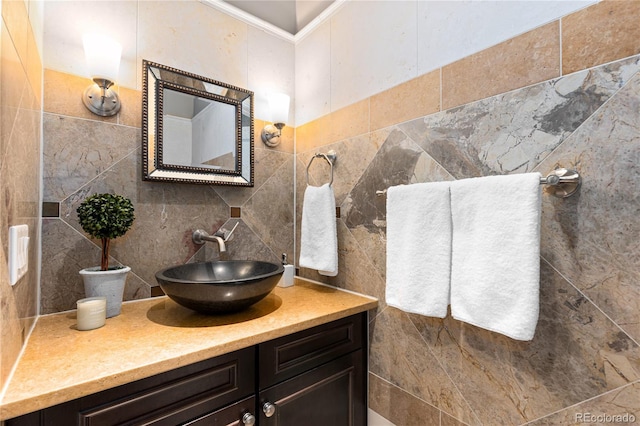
column 287, row 277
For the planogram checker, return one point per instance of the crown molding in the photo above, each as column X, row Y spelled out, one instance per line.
column 270, row 28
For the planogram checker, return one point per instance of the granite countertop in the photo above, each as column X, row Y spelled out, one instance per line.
column 152, row 336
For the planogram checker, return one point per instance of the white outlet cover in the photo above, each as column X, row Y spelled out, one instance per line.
column 18, row 252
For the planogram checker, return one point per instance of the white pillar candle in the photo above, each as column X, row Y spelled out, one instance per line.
column 92, row 312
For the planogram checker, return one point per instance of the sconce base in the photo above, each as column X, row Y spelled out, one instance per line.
column 101, row 101
column 271, row 134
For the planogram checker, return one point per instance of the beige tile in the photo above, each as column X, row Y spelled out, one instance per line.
column 63, row 95
column 313, row 134
column 349, row 121
column 16, row 18
column 131, row 107
column 12, row 84
column 413, row 99
column 599, row 34
column 529, row 58
column 34, row 65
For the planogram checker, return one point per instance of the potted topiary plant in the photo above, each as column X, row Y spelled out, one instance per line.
column 105, row 217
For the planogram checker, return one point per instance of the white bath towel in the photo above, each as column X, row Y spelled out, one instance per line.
column 495, row 264
column 318, row 235
column 419, row 248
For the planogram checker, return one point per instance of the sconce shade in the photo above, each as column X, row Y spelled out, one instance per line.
column 279, row 106
column 102, row 55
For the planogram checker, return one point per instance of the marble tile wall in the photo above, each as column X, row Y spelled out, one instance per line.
column 585, row 356
column 20, row 123
column 86, row 154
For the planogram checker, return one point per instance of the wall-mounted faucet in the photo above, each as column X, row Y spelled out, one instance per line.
column 221, row 236
column 200, row 237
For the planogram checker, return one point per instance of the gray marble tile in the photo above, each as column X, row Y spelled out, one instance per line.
column 355, row 270
column 65, row 252
column 620, row 406
column 592, row 237
column 243, row 244
column 398, row 406
column 399, row 161
column 399, row 355
column 166, row 216
column 577, row 353
column 269, row 212
column 513, row 132
column 266, row 163
column 353, row 157
column 76, row 151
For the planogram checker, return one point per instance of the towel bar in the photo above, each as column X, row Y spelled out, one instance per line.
column 562, row 183
column 330, row 157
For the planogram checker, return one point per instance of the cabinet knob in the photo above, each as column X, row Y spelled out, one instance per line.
column 248, row 419
column 269, row 409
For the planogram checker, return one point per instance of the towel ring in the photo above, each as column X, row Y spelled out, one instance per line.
column 329, row 157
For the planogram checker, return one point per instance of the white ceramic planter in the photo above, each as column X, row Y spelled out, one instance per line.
column 109, row 284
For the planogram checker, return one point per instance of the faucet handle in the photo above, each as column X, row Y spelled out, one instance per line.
column 226, row 234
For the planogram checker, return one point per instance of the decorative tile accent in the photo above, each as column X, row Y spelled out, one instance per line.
column 576, row 354
column 50, row 209
column 591, row 238
column 236, row 212
column 527, row 59
column 602, row 33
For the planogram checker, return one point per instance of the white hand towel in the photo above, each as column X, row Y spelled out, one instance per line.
column 495, row 264
column 419, row 248
column 318, row 234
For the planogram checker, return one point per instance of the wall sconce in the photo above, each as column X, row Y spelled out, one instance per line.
column 279, row 106
column 103, row 58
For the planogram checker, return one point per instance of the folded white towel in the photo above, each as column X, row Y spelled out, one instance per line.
column 495, row 264
column 419, row 248
column 318, row 234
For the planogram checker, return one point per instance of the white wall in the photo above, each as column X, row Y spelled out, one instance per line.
column 186, row 34
column 369, row 46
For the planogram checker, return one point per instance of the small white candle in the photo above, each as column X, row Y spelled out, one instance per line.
column 92, row 312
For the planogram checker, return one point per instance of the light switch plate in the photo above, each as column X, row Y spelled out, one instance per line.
column 18, row 252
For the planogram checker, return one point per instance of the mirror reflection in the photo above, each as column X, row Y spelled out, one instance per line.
column 195, row 129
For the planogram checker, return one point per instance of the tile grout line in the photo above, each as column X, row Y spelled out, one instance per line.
column 590, row 301
column 583, row 402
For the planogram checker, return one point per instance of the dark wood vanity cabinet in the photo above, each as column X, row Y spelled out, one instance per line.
column 315, row 377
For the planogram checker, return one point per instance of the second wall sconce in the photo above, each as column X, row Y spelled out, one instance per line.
column 103, row 58
column 279, row 106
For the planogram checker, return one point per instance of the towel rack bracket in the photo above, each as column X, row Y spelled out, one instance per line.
column 562, row 183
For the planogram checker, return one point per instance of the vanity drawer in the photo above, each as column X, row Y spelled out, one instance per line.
column 171, row 398
column 288, row 356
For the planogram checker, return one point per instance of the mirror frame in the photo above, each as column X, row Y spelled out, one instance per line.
column 154, row 167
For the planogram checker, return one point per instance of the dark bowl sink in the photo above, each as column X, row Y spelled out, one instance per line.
column 219, row 287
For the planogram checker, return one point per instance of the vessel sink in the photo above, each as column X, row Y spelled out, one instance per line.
column 219, row 287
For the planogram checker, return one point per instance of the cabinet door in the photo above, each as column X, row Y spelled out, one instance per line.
column 332, row 394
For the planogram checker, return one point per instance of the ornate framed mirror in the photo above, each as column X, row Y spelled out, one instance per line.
column 195, row 129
